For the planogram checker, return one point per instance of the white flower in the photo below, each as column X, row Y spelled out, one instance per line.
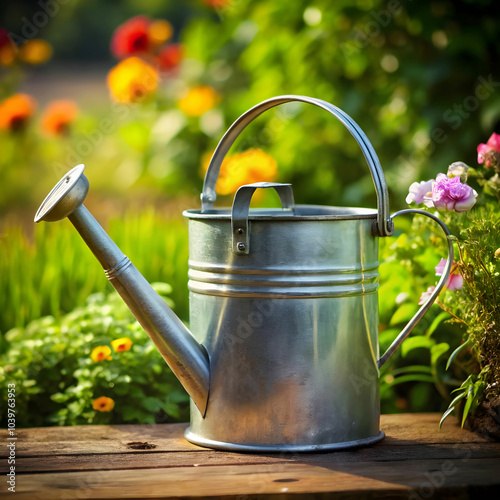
column 418, row 190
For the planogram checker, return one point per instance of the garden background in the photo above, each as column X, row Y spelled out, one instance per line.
column 420, row 78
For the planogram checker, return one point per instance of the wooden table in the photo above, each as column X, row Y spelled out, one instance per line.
column 415, row 461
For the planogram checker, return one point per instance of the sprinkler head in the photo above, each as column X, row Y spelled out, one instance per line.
column 67, row 195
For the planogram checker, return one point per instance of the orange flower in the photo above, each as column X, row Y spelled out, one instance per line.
column 103, row 404
column 121, row 345
column 35, row 51
column 198, row 100
column 58, row 116
column 100, row 353
column 160, row 31
column 16, row 110
column 170, row 57
column 7, row 48
column 253, row 165
column 132, row 80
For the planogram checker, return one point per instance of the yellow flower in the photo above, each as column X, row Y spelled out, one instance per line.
column 160, row 31
column 103, row 404
column 35, row 51
column 100, row 353
column 199, row 100
column 253, row 165
column 132, row 80
column 122, row 344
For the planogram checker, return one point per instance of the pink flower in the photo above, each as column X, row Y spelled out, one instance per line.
column 418, row 190
column 489, row 153
column 451, row 195
column 455, row 281
column 426, row 295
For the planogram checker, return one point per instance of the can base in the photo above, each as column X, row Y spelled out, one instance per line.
column 259, row 448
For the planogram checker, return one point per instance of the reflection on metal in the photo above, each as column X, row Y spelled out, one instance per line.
column 283, row 309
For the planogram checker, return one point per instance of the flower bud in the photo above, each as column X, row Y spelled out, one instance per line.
column 458, row 169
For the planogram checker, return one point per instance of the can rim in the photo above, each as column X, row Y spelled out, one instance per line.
column 299, row 213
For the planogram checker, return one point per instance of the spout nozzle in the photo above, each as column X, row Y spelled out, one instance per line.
column 65, row 198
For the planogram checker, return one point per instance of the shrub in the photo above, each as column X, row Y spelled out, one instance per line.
column 58, row 377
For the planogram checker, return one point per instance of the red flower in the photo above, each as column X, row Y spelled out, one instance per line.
column 489, row 153
column 170, row 57
column 216, row 4
column 7, row 48
column 4, row 38
column 132, row 37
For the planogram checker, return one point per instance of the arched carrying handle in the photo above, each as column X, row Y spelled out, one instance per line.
column 426, row 306
column 384, row 225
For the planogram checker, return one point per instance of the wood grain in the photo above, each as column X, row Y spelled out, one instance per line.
column 425, row 477
column 416, row 460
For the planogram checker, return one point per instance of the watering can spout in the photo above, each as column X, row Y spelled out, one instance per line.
column 186, row 357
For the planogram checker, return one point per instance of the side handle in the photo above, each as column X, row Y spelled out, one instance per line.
column 241, row 206
column 442, row 282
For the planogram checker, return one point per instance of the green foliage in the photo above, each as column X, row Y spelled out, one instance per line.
column 479, row 306
column 56, row 272
column 415, row 379
column 472, row 390
column 402, row 78
column 468, row 326
column 56, row 380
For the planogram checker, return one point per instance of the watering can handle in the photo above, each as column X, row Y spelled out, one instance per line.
column 426, row 306
column 384, row 225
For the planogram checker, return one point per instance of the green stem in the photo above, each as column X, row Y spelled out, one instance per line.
column 445, row 309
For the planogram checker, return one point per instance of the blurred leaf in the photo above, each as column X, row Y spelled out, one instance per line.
column 151, row 404
column 136, row 135
column 403, row 314
column 436, row 322
column 437, row 351
column 415, row 377
column 419, row 342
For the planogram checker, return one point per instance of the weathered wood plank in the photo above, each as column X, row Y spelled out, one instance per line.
column 426, row 478
column 401, row 429
column 97, row 439
column 416, row 460
column 153, row 459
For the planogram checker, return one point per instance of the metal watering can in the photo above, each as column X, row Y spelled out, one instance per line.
column 283, row 354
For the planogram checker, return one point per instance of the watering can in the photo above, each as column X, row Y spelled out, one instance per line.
column 283, row 350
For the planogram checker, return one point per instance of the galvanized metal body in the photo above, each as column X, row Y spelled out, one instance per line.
column 290, row 329
column 283, row 308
